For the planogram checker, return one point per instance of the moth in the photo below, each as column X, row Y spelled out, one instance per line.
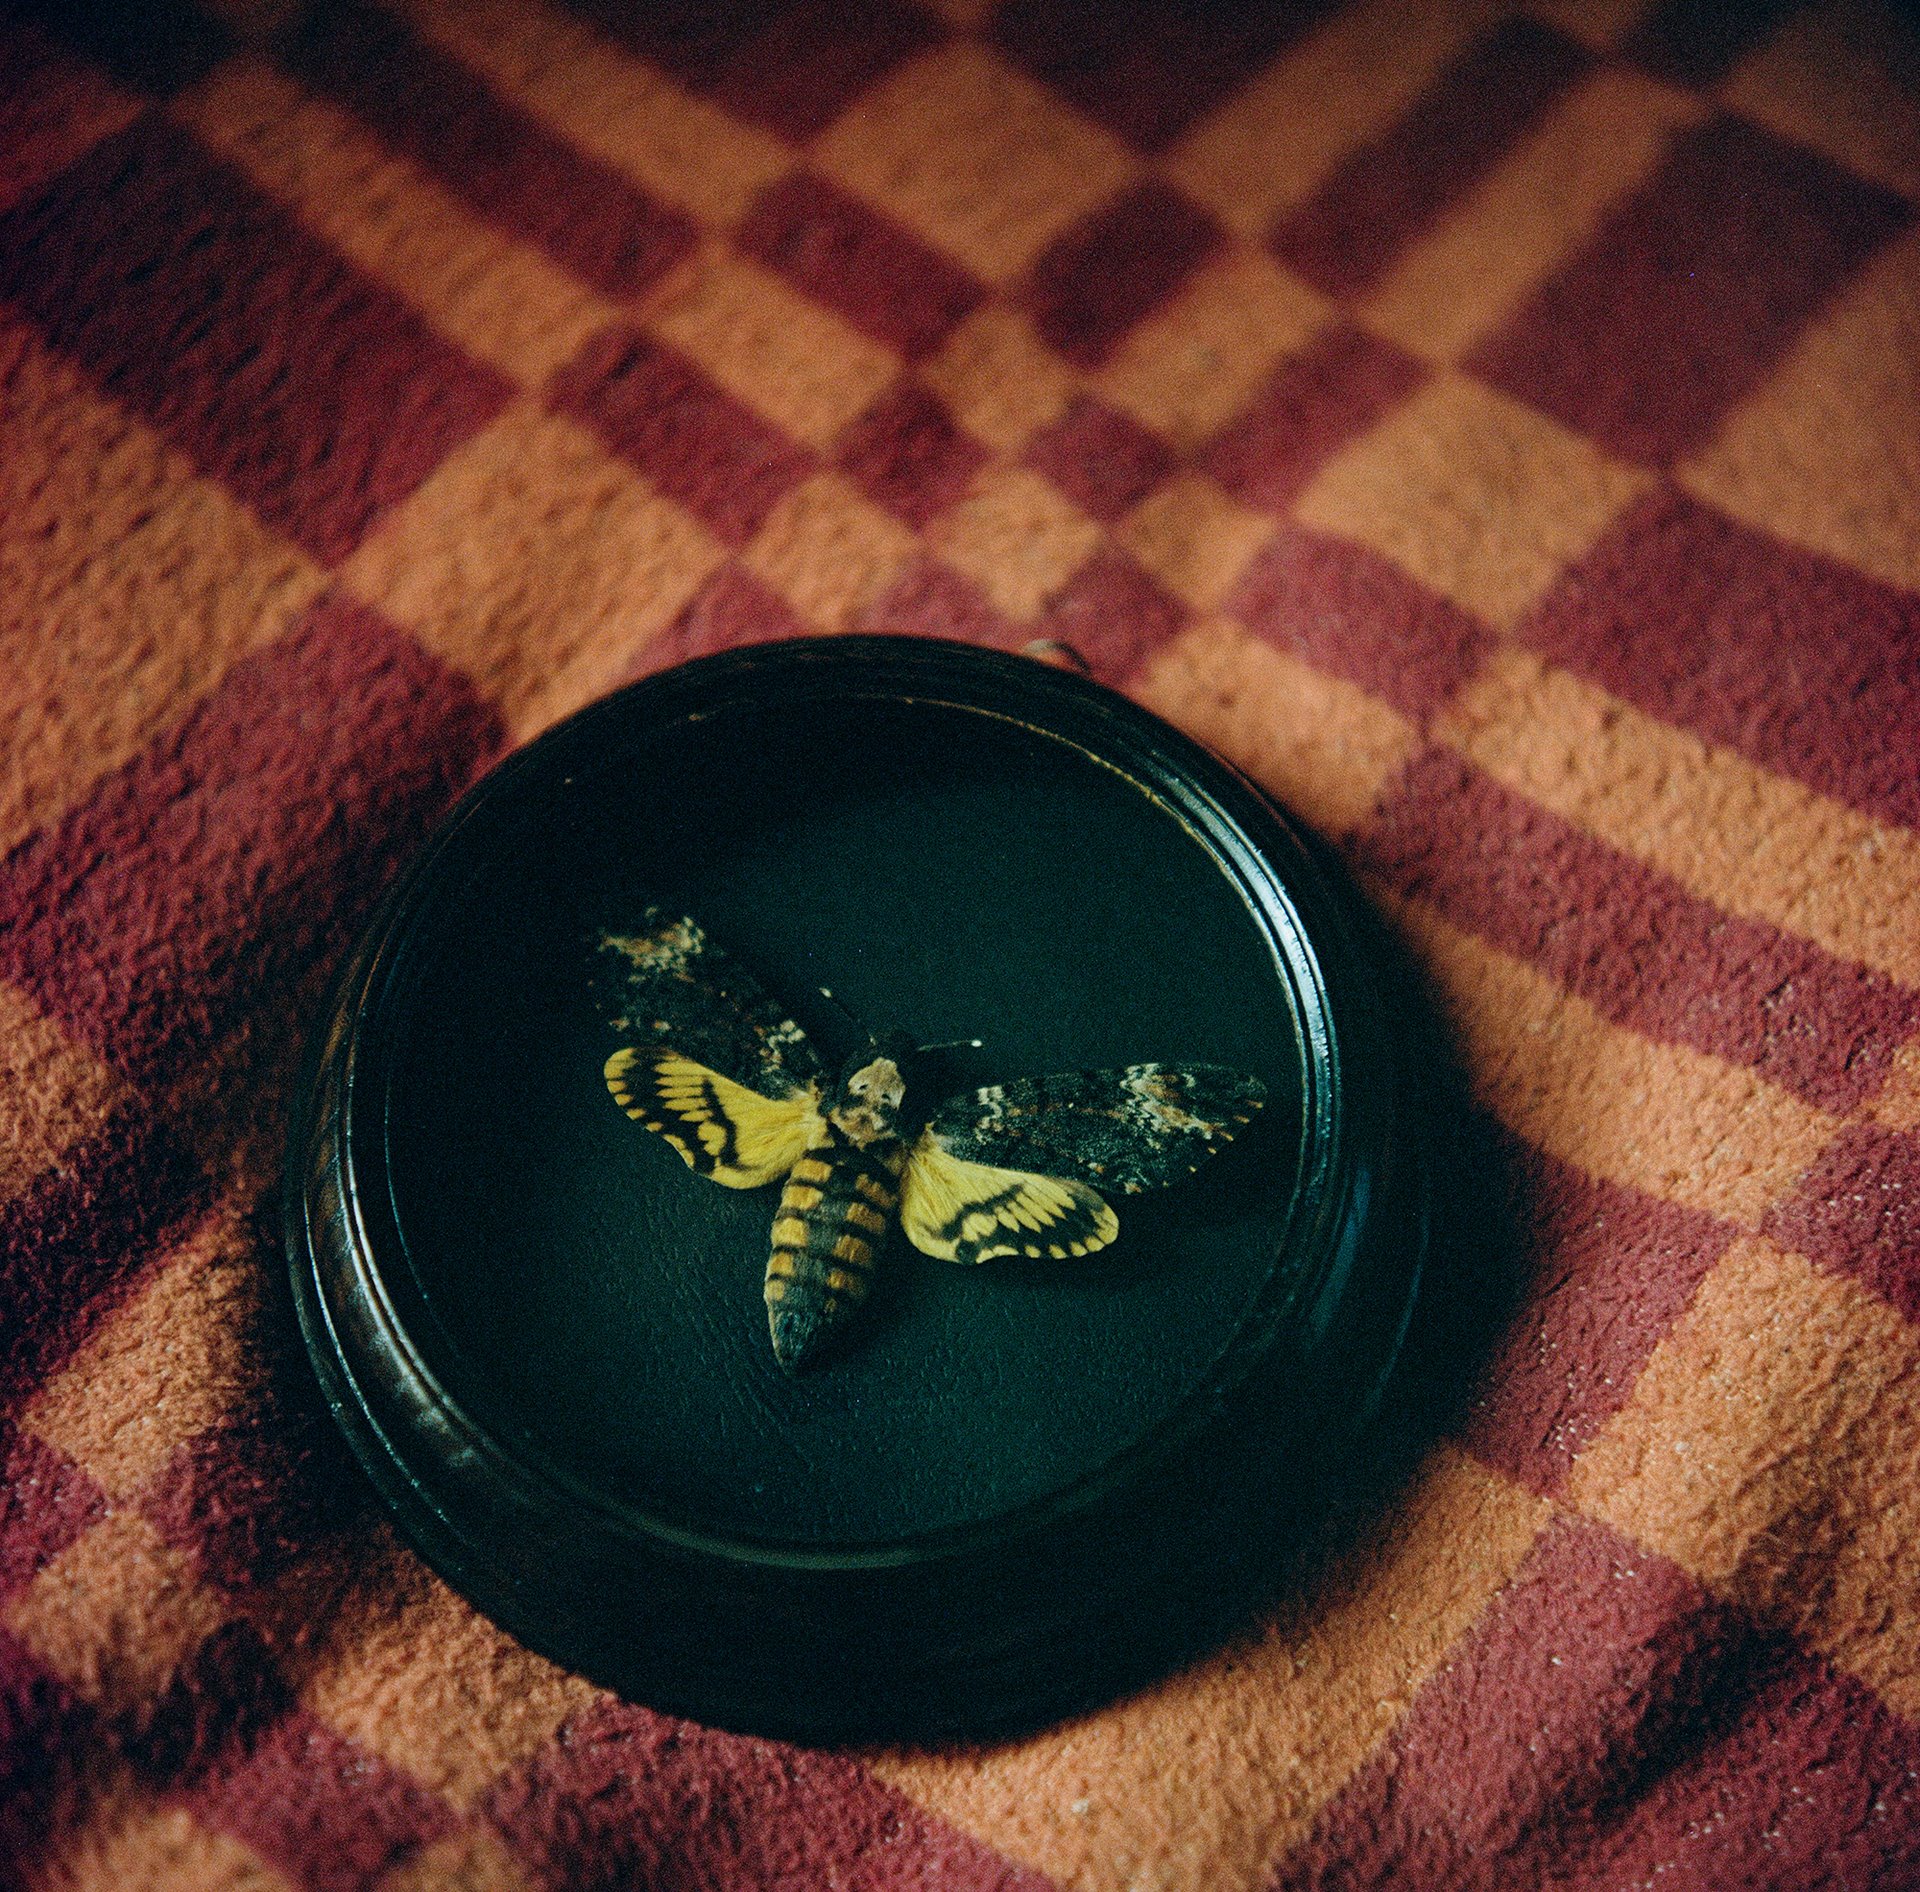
column 712, row 1064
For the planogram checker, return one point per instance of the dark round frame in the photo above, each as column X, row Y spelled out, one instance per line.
column 986, row 1629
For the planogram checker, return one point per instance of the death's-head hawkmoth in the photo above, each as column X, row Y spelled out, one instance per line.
column 712, row 1064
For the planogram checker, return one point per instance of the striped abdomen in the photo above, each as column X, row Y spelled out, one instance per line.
column 827, row 1235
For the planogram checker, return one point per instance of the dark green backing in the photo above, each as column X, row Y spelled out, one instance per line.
column 946, row 872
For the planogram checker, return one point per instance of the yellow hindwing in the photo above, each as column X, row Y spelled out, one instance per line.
column 723, row 1129
column 957, row 1211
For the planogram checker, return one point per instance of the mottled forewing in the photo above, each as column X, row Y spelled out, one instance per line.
column 668, row 984
column 1140, row 1128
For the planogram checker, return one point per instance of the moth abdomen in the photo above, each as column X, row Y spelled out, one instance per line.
column 835, row 1209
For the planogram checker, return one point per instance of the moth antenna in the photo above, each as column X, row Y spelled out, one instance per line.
column 845, row 1012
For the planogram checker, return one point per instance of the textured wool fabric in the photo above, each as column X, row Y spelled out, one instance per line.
column 1495, row 429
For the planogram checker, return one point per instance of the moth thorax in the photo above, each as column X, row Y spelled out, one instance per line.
column 866, row 1107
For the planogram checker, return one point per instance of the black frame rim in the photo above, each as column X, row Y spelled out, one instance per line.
column 335, row 1231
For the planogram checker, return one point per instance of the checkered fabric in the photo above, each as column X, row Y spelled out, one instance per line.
column 1497, row 430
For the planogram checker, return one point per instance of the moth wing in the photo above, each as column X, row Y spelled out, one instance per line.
column 1140, row 1128
column 670, row 984
column 723, row 1130
column 968, row 1212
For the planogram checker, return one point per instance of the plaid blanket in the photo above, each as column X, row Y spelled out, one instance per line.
column 1497, row 430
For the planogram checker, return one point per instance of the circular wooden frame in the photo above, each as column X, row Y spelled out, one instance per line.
column 1000, row 1623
